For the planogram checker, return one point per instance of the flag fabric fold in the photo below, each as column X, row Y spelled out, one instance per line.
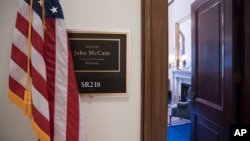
column 41, row 78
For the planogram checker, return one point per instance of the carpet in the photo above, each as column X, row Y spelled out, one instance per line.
column 179, row 132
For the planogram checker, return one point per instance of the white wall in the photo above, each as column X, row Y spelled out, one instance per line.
column 106, row 119
column 178, row 10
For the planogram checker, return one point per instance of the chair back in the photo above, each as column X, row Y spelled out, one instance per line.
column 189, row 94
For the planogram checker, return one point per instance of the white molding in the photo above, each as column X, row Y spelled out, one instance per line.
column 178, row 77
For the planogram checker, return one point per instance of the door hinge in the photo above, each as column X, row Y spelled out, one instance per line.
column 237, row 77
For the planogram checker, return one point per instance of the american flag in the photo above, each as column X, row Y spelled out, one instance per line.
column 41, row 80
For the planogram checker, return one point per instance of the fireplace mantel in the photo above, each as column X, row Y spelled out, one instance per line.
column 178, row 77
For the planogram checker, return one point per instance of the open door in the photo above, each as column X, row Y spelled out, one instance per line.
column 213, row 86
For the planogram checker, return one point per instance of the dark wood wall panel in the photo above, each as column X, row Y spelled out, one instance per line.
column 210, row 52
column 209, row 49
column 206, row 131
column 245, row 24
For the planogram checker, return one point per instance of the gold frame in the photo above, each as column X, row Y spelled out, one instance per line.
column 177, row 39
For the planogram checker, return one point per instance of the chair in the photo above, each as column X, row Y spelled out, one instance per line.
column 182, row 109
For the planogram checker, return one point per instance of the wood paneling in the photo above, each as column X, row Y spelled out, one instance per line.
column 212, row 69
column 155, row 71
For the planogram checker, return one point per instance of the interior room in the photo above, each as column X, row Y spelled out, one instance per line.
column 179, row 49
column 179, row 46
column 219, row 73
column 179, row 69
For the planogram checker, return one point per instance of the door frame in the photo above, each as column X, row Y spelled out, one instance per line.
column 154, row 25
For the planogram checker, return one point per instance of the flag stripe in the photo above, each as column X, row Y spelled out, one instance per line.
column 20, row 77
column 21, row 26
column 61, row 91
column 73, row 104
column 19, row 55
column 40, row 84
column 23, row 9
column 16, row 87
column 36, row 25
column 38, row 64
column 49, row 41
column 37, row 42
column 41, row 79
column 20, row 58
column 41, row 119
column 20, row 41
column 39, row 101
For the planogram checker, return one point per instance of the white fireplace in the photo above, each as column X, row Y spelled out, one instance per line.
column 179, row 77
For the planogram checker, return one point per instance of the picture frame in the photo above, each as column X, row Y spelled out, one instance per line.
column 170, row 2
column 100, row 62
column 183, row 42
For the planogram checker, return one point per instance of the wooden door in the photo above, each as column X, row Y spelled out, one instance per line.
column 213, row 66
